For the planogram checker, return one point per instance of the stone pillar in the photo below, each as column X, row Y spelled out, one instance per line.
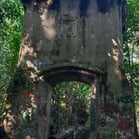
column 95, row 107
column 93, row 111
column 45, row 92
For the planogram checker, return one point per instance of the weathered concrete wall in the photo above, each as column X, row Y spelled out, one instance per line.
column 78, row 33
column 75, row 33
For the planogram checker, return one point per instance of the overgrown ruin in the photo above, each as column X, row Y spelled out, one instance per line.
column 71, row 40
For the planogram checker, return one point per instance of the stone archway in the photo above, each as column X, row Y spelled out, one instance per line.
column 93, row 78
column 70, row 73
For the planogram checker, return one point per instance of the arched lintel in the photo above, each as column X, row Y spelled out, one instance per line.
column 70, row 73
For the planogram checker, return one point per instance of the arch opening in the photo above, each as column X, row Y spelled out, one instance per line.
column 70, row 109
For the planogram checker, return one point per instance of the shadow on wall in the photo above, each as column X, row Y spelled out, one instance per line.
column 3, row 134
column 83, row 6
column 55, row 5
column 105, row 5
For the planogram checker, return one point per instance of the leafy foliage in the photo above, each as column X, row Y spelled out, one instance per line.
column 131, row 41
column 131, row 47
column 11, row 15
